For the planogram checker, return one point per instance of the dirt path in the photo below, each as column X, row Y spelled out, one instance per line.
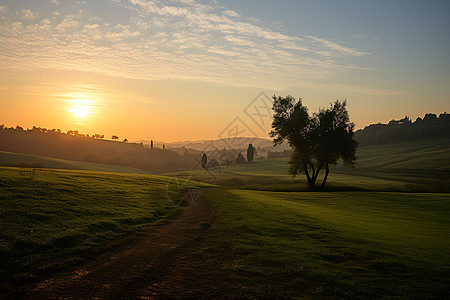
column 166, row 262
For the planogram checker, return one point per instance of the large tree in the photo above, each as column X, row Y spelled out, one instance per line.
column 318, row 141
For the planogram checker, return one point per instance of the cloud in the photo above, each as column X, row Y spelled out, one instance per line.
column 178, row 39
column 231, row 13
column 338, row 48
column 28, row 14
column 68, row 22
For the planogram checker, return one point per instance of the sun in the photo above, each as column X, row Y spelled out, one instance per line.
column 83, row 100
column 79, row 110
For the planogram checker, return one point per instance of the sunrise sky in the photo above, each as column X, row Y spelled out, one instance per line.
column 186, row 69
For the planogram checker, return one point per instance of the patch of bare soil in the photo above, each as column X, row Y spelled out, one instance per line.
column 166, row 262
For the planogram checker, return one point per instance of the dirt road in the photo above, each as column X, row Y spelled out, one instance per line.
column 166, row 262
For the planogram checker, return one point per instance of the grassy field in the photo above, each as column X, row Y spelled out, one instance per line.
column 412, row 166
column 47, row 214
column 360, row 239
column 336, row 244
column 35, row 161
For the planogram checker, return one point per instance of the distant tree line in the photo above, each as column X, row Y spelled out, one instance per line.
column 83, row 147
column 93, row 148
column 46, row 130
column 430, row 125
column 279, row 154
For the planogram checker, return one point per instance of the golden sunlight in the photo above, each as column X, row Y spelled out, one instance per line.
column 83, row 101
column 81, row 111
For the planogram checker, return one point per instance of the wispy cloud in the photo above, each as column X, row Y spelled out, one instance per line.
column 337, row 48
column 178, row 39
column 27, row 14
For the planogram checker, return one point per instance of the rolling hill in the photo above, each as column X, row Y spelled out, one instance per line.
column 35, row 161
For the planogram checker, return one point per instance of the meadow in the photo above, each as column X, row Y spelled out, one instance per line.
column 335, row 244
column 49, row 214
column 371, row 234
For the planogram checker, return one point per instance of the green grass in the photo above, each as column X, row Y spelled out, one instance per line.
column 358, row 241
column 341, row 244
column 35, row 161
column 46, row 214
column 412, row 166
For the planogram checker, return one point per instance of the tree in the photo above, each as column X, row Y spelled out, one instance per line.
column 125, row 140
column 204, row 161
column 114, row 137
column 318, row 141
column 250, row 152
column 240, row 159
column 333, row 134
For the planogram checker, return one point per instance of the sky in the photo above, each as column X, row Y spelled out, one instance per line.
column 186, row 69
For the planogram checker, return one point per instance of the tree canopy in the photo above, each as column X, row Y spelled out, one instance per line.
column 318, row 140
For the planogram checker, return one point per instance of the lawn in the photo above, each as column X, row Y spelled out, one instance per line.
column 47, row 214
column 342, row 244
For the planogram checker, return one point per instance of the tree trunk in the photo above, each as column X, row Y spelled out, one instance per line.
column 327, row 170
column 310, row 182
column 315, row 175
column 312, row 178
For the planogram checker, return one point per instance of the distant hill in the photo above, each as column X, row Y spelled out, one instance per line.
column 93, row 150
column 10, row 159
column 242, row 142
column 404, row 129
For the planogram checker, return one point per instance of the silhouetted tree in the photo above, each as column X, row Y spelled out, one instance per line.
column 164, row 146
column 204, row 161
column 114, row 137
column 240, row 159
column 333, row 133
column 318, row 141
column 151, row 144
column 250, row 152
column 125, row 140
